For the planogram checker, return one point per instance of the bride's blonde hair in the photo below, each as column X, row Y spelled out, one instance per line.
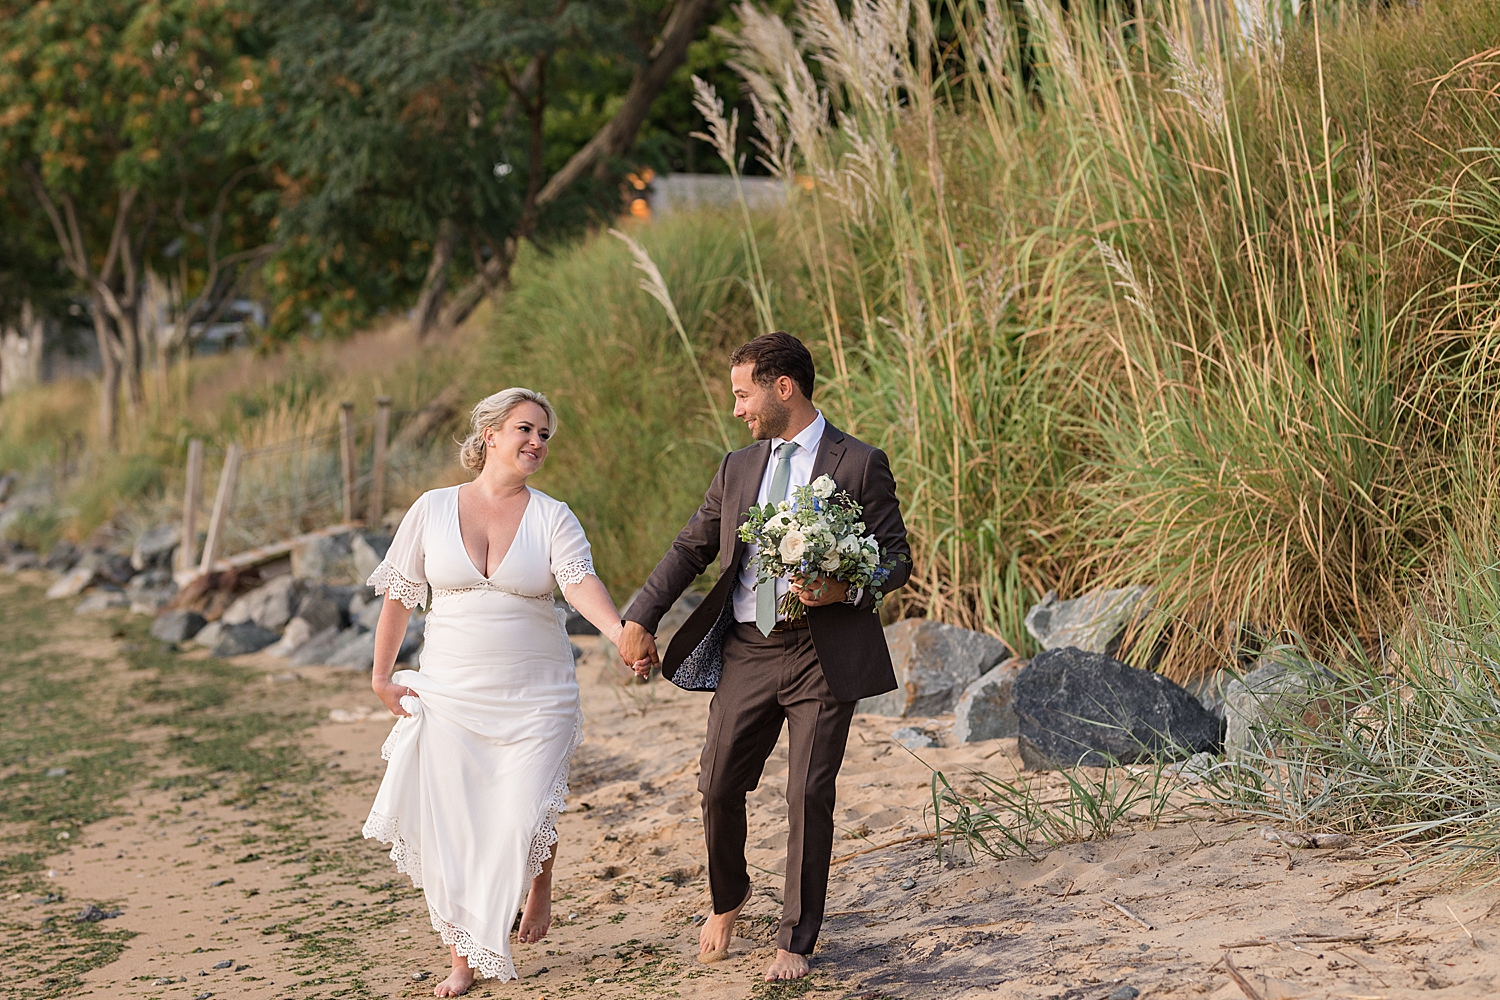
column 491, row 411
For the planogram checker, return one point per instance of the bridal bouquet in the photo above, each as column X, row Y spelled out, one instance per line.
column 817, row 533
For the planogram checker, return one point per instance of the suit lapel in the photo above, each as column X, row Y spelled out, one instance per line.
column 830, row 451
column 743, row 492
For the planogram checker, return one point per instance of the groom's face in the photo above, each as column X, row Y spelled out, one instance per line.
column 761, row 407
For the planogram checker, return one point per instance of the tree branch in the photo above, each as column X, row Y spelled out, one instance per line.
column 617, row 136
column 76, row 260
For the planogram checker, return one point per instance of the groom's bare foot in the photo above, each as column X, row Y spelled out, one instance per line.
column 718, row 929
column 536, row 919
column 787, row 965
column 457, row 984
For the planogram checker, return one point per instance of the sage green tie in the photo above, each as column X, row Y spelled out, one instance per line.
column 765, row 593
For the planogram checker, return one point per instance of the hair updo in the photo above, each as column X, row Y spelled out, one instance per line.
column 491, row 411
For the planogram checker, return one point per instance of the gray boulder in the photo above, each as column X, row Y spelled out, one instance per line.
column 1092, row 622
column 110, row 566
column 101, row 600
column 24, row 559
column 368, row 549
column 1282, row 687
column 61, row 557
column 369, row 615
column 177, row 626
column 237, row 639
column 318, row 649
column 323, row 558
column 293, row 637
column 574, row 623
column 934, row 663
column 416, row 633
column 155, row 547
column 984, row 711
column 208, row 635
column 150, row 591
column 356, row 651
column 71, row 583
column 1079, row 707
column 321, row 607
column 1210, row 689
column 270, row 606
column 913, row 738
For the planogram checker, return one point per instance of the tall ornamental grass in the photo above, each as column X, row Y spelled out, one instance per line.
column 1157, row 297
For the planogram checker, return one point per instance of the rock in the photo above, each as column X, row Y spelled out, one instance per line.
column 321, row 607
column 356, row 651
column 111, row 566
column 913, row 738
column 150, row 591
column 576, row 651
column 239, row 638
column 908, row 883
column 101, row 600
column 576, row 624
column 1282, row 686
column 416, row 633
column 208, row 635
column 934, row 663
column 369, row 615
column 155, row 547
column 71, row 583
column 270, row 605
column 92, row 914
column 368, row 549
column 984, row 710
column 1080, row 707
column 323, row 558
column 1196, row 768
column 61, row 557
column 18, row 561
column 298, row 632
column 1124, row 993
column 177, row 626
column 226, row 964
column 1092, row 622
column 57, row 772
column 317, row 649
column 7, row 483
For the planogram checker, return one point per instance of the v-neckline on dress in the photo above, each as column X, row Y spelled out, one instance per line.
column 458, row 527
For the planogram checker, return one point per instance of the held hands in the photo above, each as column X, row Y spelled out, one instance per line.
column 820, row 590
column 391, row 694
column 637, row 648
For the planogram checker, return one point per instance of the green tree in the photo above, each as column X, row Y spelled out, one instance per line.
column 439, row 123
column 118, row 115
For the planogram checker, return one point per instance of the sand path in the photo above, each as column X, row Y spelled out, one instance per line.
column 280, row 897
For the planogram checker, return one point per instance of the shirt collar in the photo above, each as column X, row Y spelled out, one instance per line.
column 809, row 437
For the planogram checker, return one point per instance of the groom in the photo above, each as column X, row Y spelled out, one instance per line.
column 809, row 671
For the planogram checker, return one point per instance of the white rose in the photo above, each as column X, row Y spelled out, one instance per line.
column 848, row 545
column 783, row 505
column 830, row 561
column 823, row 487
column 776, row 522
column 793, row 544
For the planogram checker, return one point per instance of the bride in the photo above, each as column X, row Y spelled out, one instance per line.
column 479, row 754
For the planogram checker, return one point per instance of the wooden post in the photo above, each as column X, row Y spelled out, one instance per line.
column 346, row 456
column 377, row 472
column 223, row 501
column 187, row 545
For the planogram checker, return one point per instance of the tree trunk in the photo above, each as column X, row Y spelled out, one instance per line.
column 495, row 274
column 21, row 352
column 109, row 380
column 430, row 302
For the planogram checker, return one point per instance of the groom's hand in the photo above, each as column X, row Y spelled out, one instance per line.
column 637, row 645
column 820, row 590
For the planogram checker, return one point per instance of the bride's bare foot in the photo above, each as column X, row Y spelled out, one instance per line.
column 459, row 980
column 536, row 919
column 787, row 965
column 718, row 929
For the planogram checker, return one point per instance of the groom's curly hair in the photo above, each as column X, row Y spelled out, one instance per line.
column 774, row 355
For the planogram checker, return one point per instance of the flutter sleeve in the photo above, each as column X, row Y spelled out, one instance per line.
column 572, row 560
column 402, row 574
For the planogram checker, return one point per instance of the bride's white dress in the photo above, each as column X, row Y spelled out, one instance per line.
column 478, row 773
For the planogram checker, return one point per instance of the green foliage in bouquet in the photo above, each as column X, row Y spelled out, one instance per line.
column 816, row 534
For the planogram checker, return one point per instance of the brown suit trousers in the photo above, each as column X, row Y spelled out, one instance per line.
column 768, row 679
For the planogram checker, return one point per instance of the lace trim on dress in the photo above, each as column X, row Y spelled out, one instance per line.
column 489, row 964
column 438, row 592
column 557, row 800
column 573, row 571
column 388, row 831
column 389, row 746
column 388, row 580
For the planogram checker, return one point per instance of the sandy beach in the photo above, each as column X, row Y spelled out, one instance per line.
column 284, row 898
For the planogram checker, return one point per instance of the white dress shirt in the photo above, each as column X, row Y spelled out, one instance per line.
column 803, row 460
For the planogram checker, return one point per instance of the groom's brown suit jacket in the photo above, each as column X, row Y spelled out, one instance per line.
column 848, row 638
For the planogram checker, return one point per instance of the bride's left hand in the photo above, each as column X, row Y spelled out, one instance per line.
column 391, row 694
